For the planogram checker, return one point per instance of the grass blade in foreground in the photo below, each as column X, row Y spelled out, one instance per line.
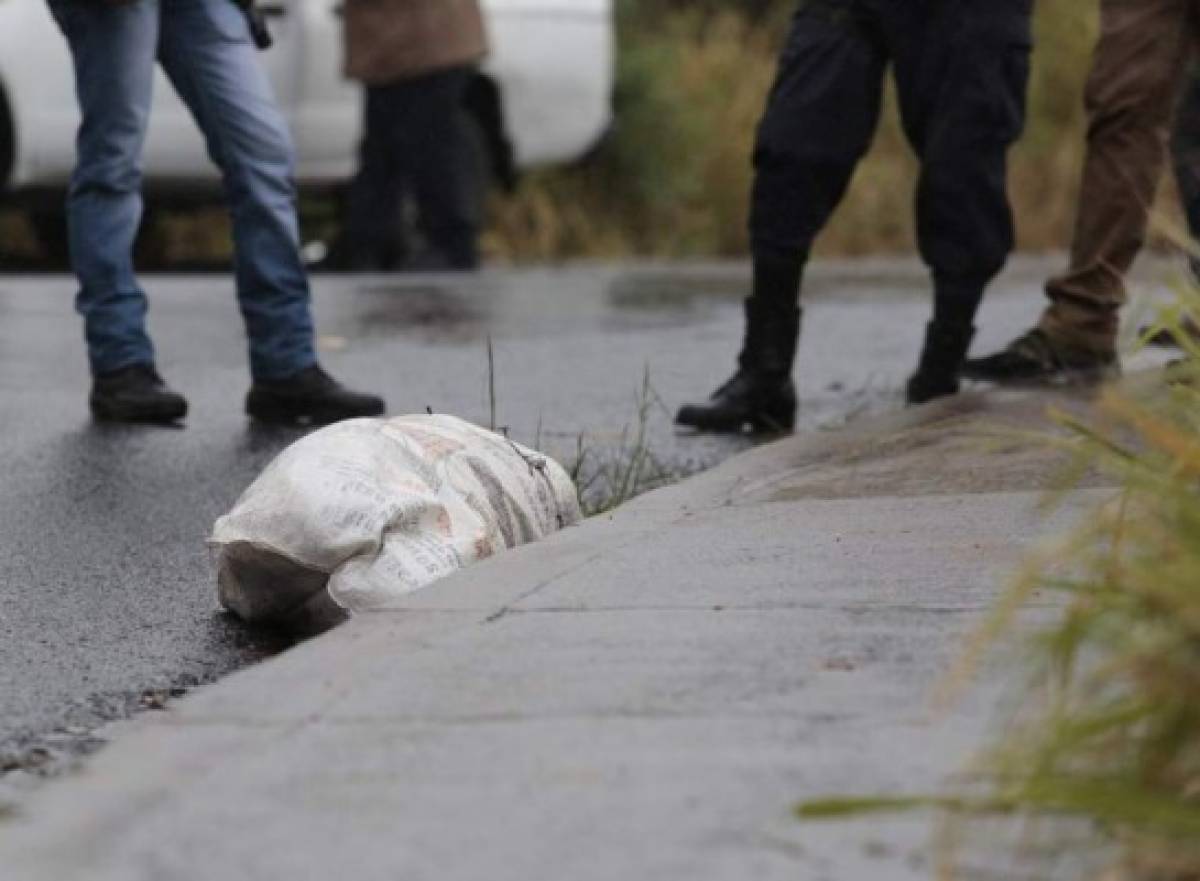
column 1107, row 742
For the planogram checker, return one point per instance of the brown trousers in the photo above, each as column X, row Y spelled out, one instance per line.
column 1137, row 75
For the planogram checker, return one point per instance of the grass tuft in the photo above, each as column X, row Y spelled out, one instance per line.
column 607, row 478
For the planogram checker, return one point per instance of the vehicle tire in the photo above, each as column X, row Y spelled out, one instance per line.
column 151, row 248
column 50, row 228
column 8, row 143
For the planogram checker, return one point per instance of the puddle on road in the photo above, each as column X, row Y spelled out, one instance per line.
column 458, row 309
column 439, row 312
column 660, row 292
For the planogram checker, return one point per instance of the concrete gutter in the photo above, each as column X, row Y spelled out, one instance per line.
column 643, row 697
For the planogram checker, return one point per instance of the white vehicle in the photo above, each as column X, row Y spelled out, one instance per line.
column 544, row 94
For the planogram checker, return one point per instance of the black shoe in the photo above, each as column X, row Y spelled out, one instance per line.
column 135, row 394
column 761, row 396
column 1035, row 358
column 748, row 401
column 941, row 363
column 310, row 397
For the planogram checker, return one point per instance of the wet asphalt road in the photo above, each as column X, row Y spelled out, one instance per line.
column 107, row 598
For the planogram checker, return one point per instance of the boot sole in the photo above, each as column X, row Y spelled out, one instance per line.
column 919, row 391
column 272, row 410
column 1083, row 376
column 166, row 413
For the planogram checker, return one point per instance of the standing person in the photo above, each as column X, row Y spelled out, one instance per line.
column 961, row 70
column 416, row 59
column 1137, row 75
column 205, row 48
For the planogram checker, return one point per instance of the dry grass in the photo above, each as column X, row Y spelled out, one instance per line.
column 609, row 476
column 673, row 178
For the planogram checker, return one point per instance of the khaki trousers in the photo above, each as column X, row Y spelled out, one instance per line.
column 1137, row 75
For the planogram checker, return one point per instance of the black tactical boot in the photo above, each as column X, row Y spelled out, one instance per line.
column 941, row 362
column 135, row 394
column 761, row 395
column 310, row 397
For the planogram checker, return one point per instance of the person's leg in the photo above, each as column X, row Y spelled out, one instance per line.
column 962, row 76
column 113, row 48
column 1131, row 94
column 1132, row 89
column 439, row 157
column 208, row 55
column 207, row 52
column 820, row 118
column 371, row 236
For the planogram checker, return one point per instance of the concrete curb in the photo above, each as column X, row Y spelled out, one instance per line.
column 641, row 697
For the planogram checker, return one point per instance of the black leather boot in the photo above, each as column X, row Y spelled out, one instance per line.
column 310, row 397
column 940, row 368
column 760, row 396
column 135, row 394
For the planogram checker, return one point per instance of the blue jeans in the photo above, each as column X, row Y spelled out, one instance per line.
column 205, row 49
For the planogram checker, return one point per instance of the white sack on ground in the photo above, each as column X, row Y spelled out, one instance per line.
column 370, row 510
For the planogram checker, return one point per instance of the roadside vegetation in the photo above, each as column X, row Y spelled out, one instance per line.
column 608, row 476
column 1098, row 777
column 1111, row 729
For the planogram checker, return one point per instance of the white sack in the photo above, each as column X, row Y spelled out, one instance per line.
column 370, row 510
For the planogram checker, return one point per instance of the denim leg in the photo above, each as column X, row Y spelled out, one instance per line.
column 113, row 48
column 208, row 55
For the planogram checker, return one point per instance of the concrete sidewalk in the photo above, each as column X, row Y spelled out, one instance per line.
column 642, row 697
